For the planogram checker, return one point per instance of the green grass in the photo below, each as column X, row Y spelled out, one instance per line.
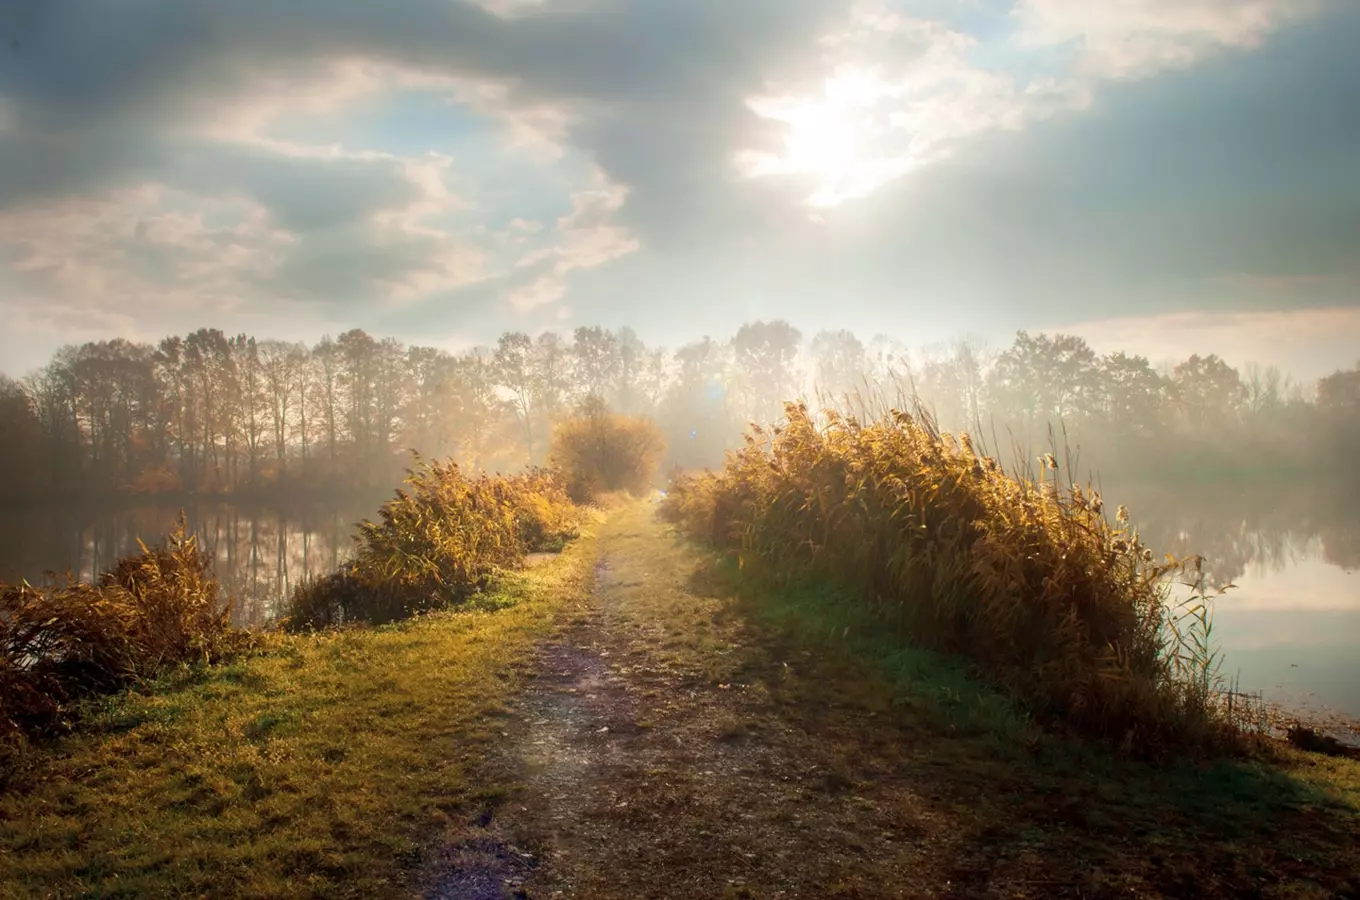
column 327, row 766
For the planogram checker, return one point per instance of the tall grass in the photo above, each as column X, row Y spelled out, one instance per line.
column 1027, row 578
column 155, row 608
column 436, row 543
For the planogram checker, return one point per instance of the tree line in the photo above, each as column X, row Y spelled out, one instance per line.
column 209, row 413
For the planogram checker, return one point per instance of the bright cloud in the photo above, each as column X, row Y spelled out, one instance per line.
column 1137, row 38
column 899, row 92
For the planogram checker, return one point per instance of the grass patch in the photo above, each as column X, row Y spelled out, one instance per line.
column 328, row 766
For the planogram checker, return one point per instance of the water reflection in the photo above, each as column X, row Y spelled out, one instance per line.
column 1290, row 627
column 259, row 553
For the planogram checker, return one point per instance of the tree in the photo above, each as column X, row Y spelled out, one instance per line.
column 1132, row 395
column 513, row 365
column 1208, row 391
column 839, row 363
column 765, row 355
column 552, row 362
column 951, row 385
column 695, row 414
column 23, row 462
column 282, row 366
column 595, row 361
column 251, row 400
column 1044, row 380
column 328, row 393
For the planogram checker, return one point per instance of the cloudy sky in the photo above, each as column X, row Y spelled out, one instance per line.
column 1161, row 175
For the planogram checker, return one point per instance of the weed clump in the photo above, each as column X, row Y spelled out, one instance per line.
column 1067, row 612
column 599, row 451
column 436, row 543
column 156, row 608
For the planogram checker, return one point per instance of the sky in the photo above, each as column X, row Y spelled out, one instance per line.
column 1160, row 176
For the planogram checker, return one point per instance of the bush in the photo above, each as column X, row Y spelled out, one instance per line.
column 154, row 609
column 1067, row 612
column 437, row 542
column 599, row 451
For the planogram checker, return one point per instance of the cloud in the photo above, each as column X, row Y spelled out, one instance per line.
column 894, row 92
column 1138, row 38
column 504, row 160
column 152, row 242
column 585, row 239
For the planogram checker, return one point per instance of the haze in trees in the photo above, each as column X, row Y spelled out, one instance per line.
column 206, row 413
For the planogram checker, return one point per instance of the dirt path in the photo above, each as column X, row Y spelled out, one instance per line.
column 655, row 759
column 667, row 748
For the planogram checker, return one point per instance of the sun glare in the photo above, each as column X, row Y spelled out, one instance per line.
column 828, row 139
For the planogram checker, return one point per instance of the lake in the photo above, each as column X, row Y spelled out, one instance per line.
column 1290, row 628
column 260, row 552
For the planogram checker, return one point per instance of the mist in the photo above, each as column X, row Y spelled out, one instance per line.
column 599, row 449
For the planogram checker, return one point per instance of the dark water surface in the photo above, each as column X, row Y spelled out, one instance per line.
column 261, row 552
column 1289, row 629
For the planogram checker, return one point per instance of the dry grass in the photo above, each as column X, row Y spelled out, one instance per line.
column 156, row 608
column 599, row 452
column 1061, row 608
column 436, row 543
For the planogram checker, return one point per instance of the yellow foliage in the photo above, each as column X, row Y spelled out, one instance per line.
column 1064, row 610
column 437, row 542
column 601, row 451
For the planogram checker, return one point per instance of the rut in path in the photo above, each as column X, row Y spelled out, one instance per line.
column 643, row 775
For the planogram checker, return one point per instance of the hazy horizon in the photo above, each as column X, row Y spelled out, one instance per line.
column 1159, row 177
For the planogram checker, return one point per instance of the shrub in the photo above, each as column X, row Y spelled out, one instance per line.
column 1067, row 612
column 155, row 608
column 599, row 451
column 434, row 544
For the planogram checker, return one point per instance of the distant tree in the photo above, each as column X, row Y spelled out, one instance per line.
column 23, row 460
column 839, row 363
column 695, row 414
column 1042, row 380
column 951, row 384
column 281, row 365
column 1132, row 395
column 514, row 371
column 327, row 388
column 1208, row 392
column 766, row 354
column 595, row 361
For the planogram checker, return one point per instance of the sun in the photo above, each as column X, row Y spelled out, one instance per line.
column 828, row 138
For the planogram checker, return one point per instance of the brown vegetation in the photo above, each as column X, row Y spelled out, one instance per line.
column 154, row 609
column 1065, row 611
column 436, row 543
column 599, row 451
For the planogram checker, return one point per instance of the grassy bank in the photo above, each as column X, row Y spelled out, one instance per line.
column 1004, row 807
column 326, row 766
column 1030, row 581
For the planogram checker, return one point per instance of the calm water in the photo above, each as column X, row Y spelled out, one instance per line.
column 1290, row 628
column 260, row 552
